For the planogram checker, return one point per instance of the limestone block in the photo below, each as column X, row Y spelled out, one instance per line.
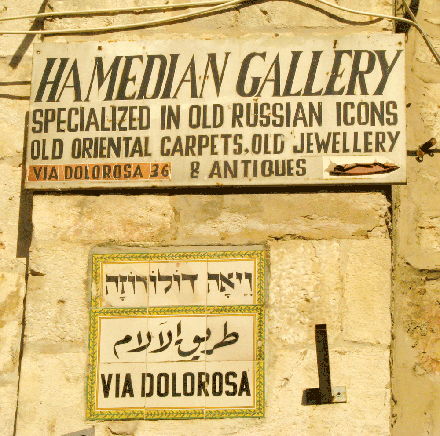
column 363, row 371
column 367, row 291
column 428, row 231
column 8, row 404
column 255, row 218
column 420, row 323
column 15, row 91
column 305, row 289
column 58, row 298
column 315, row 15
column 428, row 110
column 102, row 218
column 9, row 206
column 267, row 15
column 52, row 393
column 52, row 400
column 12, row 290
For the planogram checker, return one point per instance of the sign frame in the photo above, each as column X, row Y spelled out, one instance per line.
column 138, row 114
column 104, row 311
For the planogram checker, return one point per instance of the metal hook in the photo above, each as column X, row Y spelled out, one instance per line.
column 325, row 394
column 426, row 149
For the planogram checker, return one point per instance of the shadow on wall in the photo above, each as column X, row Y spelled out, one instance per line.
column 402, row 27
column 38, row 24
column 25, row 207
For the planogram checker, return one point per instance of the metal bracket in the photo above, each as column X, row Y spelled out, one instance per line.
column 423, row 149
column 325, row 394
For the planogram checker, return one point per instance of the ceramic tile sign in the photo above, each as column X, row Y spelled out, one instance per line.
column 267, row 111
column 176, row 333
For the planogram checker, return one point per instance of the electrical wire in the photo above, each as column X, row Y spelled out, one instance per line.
column 218, row 5
column 168, row 20
column 412, row 22
column 115, row 11
column 424, row 35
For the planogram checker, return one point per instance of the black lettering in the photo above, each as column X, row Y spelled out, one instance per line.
column 324, row 144
column 98, row 70
column 55, row 83
column 232, row 171
column 392, row 119
column 386, row 69
column 218, row 79
column 125, row 79
column 393, row 139
column 128, row 387
column 312, row 73
column 143, row 117
column 165, row 383
column 291, row 75
column 228, row 382
column 70, row 127
column 215, row 171
column 367, row 142
column 57, row 149
column 217, row 384
column 147, row 76
column 35, row 149
column 357, row 74
column 49, row 117
column 244, row 385
column 174, row 392
column 335, row 74
column 377, row 113
column 379, row 141
column 241, row 80
column 76, row 82
column 37, row 113
column 188, row 388
column 237, row 114
column 191, row 69
column 150, row 392
column 118, row 376
column 172, row 70
column 124, row 110
column 276, row 79
column 203, row 380
column 106, row 384
column 301, row 169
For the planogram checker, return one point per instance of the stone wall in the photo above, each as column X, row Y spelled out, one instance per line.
column 330, row 255
column 341, row 279
column 416, row 348
column 15, row 231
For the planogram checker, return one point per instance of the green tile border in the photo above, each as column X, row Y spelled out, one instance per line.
column 151, row 414
column 115, row 415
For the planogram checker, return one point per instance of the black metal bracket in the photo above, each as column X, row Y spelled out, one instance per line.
column 325, row 394
column 425, row 148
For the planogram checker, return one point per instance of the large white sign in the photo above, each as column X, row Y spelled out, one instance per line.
column 272, row 111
